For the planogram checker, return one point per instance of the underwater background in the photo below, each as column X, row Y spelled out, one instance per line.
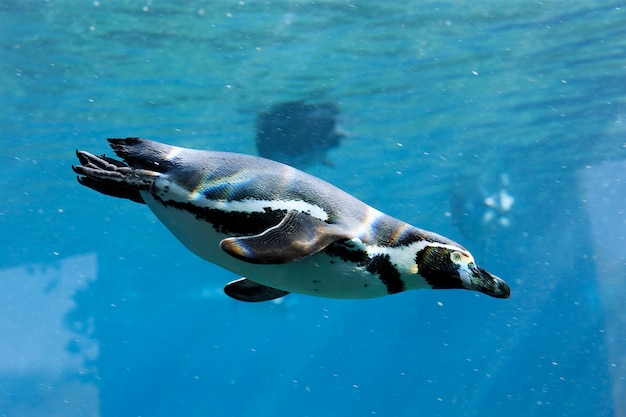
column 499, row 124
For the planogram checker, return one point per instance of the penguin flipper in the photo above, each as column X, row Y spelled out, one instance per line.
column 243, row 289
column 296, row 236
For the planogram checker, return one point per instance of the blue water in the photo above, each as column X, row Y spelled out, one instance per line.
column 104, row 313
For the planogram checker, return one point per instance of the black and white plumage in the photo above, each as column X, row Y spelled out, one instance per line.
column 282, row 229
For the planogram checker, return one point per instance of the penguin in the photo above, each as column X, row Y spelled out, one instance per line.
column 297, row 133
column 281, row 229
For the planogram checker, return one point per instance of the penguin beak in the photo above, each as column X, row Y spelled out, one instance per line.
column 487, row 283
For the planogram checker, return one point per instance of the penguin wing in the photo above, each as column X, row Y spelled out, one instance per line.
column 243, row 289
column 296, row 236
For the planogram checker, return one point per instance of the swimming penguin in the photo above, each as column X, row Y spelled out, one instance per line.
column 282, row 229
column 298, row 133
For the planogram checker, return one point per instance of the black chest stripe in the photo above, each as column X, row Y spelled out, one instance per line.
column 345, row 251
column 389, row 275
column 230, row 222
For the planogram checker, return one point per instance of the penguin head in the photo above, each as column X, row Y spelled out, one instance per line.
column 447, row 267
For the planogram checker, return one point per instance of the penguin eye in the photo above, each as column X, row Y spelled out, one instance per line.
column 456, row 256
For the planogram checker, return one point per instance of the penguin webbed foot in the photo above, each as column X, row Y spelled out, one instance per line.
column 106, row 175
column 243, row 289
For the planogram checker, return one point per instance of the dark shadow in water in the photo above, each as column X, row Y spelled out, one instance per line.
column 297, row 133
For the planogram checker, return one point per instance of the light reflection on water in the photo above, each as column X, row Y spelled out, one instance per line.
column 44, row 361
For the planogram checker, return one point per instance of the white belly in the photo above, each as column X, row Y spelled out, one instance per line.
column 319, row 275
